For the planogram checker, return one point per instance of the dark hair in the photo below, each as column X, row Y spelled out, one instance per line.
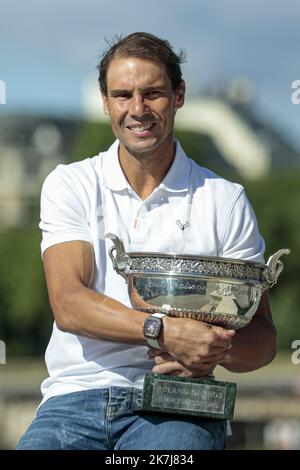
column 145, row 46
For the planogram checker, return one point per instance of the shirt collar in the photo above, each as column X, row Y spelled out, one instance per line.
column 113, row 176
column 176, row 180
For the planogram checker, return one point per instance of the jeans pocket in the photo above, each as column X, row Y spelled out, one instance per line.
column 118, row 403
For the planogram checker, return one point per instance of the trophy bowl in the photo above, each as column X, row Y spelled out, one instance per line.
column 216, row 290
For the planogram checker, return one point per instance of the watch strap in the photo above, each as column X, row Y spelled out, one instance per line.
column 153, row 343
column 158, row 315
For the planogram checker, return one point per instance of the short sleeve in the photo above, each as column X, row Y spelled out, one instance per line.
column 64, row 209
column 241, row 238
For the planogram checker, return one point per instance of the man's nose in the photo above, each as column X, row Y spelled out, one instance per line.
column 138, row 106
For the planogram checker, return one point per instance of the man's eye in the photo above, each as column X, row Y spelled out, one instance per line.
column 152, row 94
column 122, row 96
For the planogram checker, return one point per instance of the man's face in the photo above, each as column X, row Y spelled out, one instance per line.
column 141, row 104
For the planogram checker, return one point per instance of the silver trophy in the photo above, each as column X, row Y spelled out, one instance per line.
column 220, row 291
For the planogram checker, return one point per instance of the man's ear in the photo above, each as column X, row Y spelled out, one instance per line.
column 105, row 104
column 179, row 97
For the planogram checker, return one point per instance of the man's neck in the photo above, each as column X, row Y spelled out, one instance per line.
column 145, row 172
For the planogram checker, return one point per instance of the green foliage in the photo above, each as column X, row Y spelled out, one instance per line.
column 25, row 314
column 92, row 138
column 276, row 201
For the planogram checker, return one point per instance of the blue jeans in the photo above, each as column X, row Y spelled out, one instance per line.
column 101, row 419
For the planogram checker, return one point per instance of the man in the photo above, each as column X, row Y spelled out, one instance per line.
column 98, row 355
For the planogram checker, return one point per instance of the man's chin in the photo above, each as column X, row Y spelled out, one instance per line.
column 141, row 148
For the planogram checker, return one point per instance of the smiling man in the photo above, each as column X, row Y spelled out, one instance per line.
column 99, row 351
column 141, row 101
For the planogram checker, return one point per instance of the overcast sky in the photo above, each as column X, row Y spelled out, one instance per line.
column 49, row 47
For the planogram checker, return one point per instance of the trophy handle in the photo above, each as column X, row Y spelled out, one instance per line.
column 120, row 260
column 273, row 268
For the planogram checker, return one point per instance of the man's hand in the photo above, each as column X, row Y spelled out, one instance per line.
column 166, row 364
column 194, row 346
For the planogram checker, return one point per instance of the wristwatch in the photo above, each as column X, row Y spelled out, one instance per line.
column 152, row 328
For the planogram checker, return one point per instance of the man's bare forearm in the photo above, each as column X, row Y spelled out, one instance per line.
column 85, row 312
column 78, row 309
column 253, row 346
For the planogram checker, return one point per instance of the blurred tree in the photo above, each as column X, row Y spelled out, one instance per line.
column 276, row 201
column 92, row 138
column 25, row 313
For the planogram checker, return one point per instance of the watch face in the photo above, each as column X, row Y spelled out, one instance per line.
column 152, row 327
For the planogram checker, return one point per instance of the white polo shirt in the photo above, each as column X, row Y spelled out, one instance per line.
column 86, row 200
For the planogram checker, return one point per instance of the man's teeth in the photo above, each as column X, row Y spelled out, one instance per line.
column 140, row 128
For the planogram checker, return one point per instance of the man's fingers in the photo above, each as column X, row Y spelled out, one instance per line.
column 167, row 368
column 163, row 358
column 174, row 368
column 222, row 332
column 153, row 353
